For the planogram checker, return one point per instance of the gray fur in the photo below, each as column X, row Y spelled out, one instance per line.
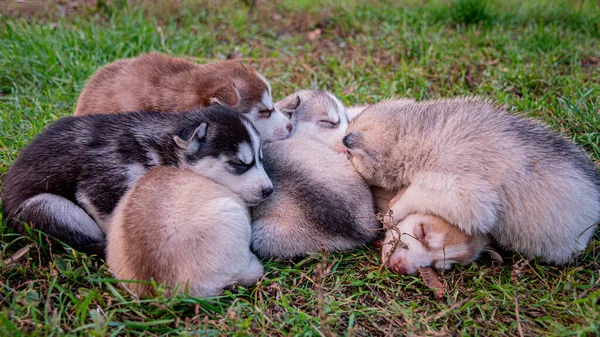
column 319, row 202
column 483, row 170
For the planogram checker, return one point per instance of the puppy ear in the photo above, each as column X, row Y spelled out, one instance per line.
column 420, row 231
column 352, row 139
column 192, row 142
column 289, row 105
column 227, row 95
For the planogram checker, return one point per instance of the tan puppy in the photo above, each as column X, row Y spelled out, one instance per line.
column 422, row 240
column 181, row 229
column 157, row 82
column 482, row 169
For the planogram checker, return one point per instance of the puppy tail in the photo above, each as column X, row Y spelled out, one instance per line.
column 61, row 219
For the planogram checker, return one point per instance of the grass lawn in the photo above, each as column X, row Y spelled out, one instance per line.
column 541, row 58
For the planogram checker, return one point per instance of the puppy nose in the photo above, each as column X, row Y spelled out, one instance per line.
column 400, row 269
column 346, row 141
column 289, row 127
column 267, row 191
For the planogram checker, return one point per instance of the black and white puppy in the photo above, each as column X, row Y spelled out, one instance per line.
column 68, row 181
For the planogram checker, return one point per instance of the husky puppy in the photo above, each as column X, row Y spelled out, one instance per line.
column 176, row 227
column 482, row 170
column 422, row 240
column 318, row 115
column 157, row 82
column 319, row 202
column 68, row 181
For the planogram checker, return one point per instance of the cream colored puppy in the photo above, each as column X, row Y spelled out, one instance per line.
column 482, row 170
column 181, row 229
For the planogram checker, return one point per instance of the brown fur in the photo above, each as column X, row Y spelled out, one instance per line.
column 157, row 82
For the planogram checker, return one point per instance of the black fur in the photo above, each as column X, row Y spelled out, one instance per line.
column 324, row 209
column 90, row 155
column 328, row 209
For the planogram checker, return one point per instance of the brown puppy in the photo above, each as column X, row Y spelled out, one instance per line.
column 157, row 82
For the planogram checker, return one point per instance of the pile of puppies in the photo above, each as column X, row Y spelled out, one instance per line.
column 182, row 172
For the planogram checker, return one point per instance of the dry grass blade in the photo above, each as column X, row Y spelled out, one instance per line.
column 388, row 224
column 124, row 286
column 516, row 272
column 18, row 255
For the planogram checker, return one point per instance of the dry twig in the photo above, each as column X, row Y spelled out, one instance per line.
column 18, row 255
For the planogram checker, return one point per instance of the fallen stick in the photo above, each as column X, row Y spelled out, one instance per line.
column 431, row 280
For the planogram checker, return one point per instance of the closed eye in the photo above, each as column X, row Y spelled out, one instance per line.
column 265, row 113
column 239, row 167
column 327, row 124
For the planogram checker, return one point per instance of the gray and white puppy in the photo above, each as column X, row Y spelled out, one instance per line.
column 319, row 200
column 68, row 180
column 481, row 169
column 318, row 115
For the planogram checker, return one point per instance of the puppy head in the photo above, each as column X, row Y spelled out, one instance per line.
column 426, row 240
column 249, row 93
column 221, row 145
column 318, row 115
column 370, row 143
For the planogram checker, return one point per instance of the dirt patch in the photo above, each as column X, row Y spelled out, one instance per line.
column 590, row 62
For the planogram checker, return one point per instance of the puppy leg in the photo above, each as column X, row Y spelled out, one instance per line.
column 59, row 218
column 468, row 202
column 252, row 274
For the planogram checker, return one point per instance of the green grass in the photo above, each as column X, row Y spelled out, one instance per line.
column 536, row 57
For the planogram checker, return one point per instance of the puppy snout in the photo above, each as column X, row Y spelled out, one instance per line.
column 400, row 269
column 346, row 140
column 397, row 264
column 289, row 127
column 267, row 191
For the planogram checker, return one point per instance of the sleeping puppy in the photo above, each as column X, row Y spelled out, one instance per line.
column 184, row 230
column 68, row 180
column 319, row 200
column 317, row 115
column 422, row 240
column 481, row 169
column 161, row 83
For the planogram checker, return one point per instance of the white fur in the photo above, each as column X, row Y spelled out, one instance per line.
column 483, row 170
column 250, row 185
column 66, row 213
column 354, row 111
column 85, row 202
column 318, row 106
column 276, row 126
column 245, row 153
